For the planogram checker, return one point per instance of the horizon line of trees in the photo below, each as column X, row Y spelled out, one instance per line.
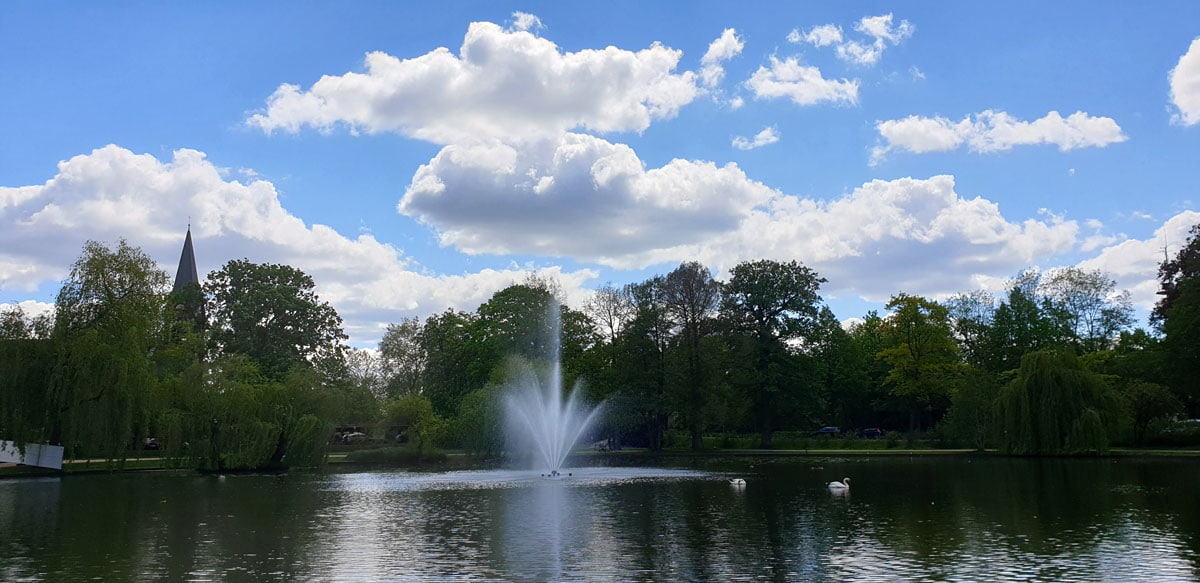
column 251, row 370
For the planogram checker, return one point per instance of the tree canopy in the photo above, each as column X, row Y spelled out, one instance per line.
column 271, row 313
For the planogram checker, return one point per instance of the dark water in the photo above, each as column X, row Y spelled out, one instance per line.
column 909, row 519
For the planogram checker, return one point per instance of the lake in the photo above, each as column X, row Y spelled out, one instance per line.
column 904, row 519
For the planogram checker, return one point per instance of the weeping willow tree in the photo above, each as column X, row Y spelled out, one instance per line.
column 1054, row 406
column 227, row 415
column 109, row 311
column 25, row 365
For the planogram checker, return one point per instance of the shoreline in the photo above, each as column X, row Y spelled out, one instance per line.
column 338, row 460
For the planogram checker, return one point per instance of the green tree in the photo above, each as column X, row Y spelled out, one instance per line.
column 971, row 420
column 1177, row 313
column 26, row 359
column 1054, row 406
column 639, row 405
column 773, row 303
column 272, row 314
column 1096, row 312
column 416, row 413
column 108, row 314
column 691, row 296
column 1022, row 324
column 971, row 316
column 479, row 426
column 518, row 321
column 923, row 360
column 867, row 338
column 402, row 358
column 843, row 371
column 456, row 363
column 16, row 325
column 612, row 309
column 1147, row 403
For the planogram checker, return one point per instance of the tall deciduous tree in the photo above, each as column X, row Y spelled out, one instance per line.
column 456, row 363
column 272, row 314
column 1022, row 324
column 1095, row 310
column 1178, row 315
column 612, row 309
column 691, row 296
column 923, row 356
column 639, row 404
column 774, row 303
column 402, row 358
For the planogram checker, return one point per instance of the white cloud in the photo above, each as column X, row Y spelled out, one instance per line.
column 879, row 30
column 502, row 83
column 526, row 21
column 736, row 103
column 112, row 193
column 764, row 138
column 1185, row 86
column 725, row 47
column 31, row 308
column 594, row 201
column 993, row 131
column 819, row 36
column 1134, row 263
column 578, row 196
column 803, row 84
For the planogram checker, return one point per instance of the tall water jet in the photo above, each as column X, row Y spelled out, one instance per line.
column 537, row 408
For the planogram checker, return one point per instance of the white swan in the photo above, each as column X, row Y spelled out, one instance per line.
column 843, row 485
column 737, row 482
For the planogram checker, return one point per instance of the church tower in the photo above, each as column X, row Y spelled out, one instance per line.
column 186, row 294
column 187, row 265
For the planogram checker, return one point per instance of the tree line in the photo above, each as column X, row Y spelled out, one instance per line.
column 251, row 370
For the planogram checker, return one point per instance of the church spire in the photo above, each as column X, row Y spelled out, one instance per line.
column 186, row 273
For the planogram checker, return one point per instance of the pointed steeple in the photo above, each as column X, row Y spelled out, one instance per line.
column 187, row 264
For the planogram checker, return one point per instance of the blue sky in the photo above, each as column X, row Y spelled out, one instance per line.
column 415, row 157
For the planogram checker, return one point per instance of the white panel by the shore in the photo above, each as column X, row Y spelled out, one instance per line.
column 36, row 454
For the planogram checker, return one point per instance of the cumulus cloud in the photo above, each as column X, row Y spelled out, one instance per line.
column 803, row 84
column 113, row 193
column 502, row 83
column 585, row 198
column 526, row 21
column 725, row 47
column 819, row 36
column 31, row 308
column 577, row 196
column 879, row 33
column 993, row 131
column 1185, row 86
column 764, row 138
column 1133, row 263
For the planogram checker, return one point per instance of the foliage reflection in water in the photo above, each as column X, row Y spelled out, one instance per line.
column 913, row 520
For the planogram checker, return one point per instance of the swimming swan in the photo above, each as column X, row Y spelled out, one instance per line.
column 738, row 482
column 843, row 485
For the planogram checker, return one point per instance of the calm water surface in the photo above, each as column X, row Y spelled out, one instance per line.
column 908, row 519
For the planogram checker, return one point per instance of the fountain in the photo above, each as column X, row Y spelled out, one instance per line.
column 538, row 412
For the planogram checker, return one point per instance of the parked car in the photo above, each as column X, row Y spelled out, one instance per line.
column 356, row 437
column 870, row 432
column 827, row 432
